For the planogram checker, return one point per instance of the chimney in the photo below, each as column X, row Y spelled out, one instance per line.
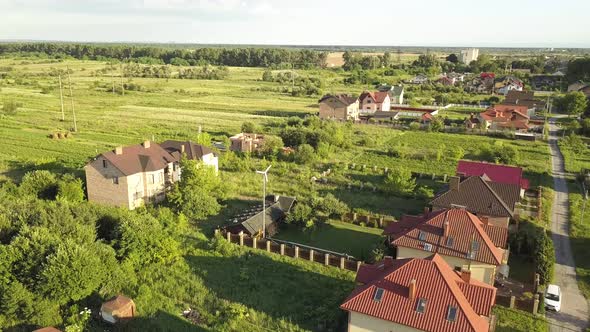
column 412, row 289
column 146, row 144
column 119, row 150
column 466, row 275
column 182, row 148
column 387, row 261
column 454, row 183
column 446, row 228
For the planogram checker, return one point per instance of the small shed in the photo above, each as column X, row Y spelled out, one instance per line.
column 118, row 309
column 47, row 329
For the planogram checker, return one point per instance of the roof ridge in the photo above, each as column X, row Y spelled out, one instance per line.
column 496, row 196
column 486, row 238
column 463, row 302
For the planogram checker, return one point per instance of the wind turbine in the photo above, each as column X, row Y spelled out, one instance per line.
column 264, row 181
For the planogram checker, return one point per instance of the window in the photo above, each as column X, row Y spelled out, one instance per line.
column 449, row 242
column 104, row 163
column 116, row 180
column 378, row 294
column 458, row 268
column 452, row 314
column 427, row 246
column 474, row 246
column 421, row 236
column 421, row 306
column 152, row 179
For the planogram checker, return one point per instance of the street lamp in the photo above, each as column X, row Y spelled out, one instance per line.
column 264, row 181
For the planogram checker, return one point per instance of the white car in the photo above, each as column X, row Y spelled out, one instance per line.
column 553, row 298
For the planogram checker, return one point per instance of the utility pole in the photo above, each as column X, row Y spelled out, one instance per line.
column 122, row 87
column 61, row 100
column 264, row 181
column 72, row 100
column 113, row 77
column 584, row 206
column 292, row 77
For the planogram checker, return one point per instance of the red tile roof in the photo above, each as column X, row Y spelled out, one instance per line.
column 435, row 282
column 463, row 228
column 505, row 113
column 496, row 172
column 378, row 96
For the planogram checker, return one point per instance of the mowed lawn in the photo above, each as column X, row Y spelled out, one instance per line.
column 336, row 236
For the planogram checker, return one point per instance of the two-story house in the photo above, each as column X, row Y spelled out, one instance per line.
column 396, row 93
column 339, row 107
column 193, row 151
column 131, row 176
column 463, row 240
column 418, row 294
column 371, row 102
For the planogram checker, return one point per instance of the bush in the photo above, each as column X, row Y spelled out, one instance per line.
column 248, row 127
column 534, row 242
column 399, row 181
column 415, row 126
column 42, row 184
column 305, row 154
column 10, row 107
column 70, row 190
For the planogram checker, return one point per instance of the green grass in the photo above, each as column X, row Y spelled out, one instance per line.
column 336, row 236
column 511, row 320
column 580, row 237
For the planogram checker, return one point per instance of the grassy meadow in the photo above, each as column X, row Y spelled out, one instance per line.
column 176, row 109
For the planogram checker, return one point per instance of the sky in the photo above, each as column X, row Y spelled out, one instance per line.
column 459, row 23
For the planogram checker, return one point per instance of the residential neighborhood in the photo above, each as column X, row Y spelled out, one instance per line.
column 239, row 166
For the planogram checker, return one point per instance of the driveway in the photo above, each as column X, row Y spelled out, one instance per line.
column 574, row 308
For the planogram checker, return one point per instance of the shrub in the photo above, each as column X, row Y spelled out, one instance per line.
column 415, row 126
column 399, row 181
column 305, row 154
column 70, row 190
column 248, row 127
column 10, row 107
column 42, row 184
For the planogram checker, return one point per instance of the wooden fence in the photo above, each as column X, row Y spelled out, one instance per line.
column 316, row 255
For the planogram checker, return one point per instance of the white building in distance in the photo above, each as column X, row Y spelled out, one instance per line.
column 469, row 55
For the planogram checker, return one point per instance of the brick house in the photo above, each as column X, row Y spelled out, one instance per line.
column 493, row 202
column 463, row 240
column 131, row 176
column 371, row 102
column 339, row 107
column 418, row 294
column 246, row 142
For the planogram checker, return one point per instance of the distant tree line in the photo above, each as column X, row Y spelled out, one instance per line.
column 242, row 57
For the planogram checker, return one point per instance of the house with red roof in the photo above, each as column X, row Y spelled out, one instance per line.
column 371, row 102
column 463, row 240
column 495, row 172
column 499, row 117
column 419, row 294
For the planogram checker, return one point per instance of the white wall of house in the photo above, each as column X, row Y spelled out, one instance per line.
column 358, row 322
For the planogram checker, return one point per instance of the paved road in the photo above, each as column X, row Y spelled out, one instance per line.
column 574, row 308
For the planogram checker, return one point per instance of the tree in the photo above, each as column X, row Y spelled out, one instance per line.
column 399, row 181
column 452, row 58
column 573, row 103
column 198, row 193
column 330, row 206
column 248, row 127
column 70, row 190
column 271, row 145
column 300, row 215
column 42, row 184
column 305, row 154
column 506, row 155
column 71, row 273
column 267, row 76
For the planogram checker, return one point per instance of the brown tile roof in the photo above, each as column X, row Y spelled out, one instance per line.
column 377, row 96
column 192, row 150
column 505, row 113
column 343, row 98
column 463, row 228
column 435, row 282
column 138, row 159
column 481, row 196
column 47, row 329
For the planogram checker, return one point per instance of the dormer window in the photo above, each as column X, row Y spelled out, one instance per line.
column 452, row 314
column 104, row 163
column 421, row 306
column 449, row 242
column 474, row 246
column 422, row 236
column 378, row 294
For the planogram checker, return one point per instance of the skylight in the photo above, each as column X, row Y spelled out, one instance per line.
column 421, row 306
column 427, row 246
column 474, row 246
column 452, row 314
column 449, row 242
column 378, row 294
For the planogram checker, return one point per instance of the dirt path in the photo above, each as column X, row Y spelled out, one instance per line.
column 574, row 307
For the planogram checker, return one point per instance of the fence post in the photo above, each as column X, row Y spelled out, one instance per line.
column 296, row 252
column 342, row 262
column 268, row 245
column 216, row 232
column 241, row 238
column 512, row 301
column 536, row 304
column 380, row 222
column 311, row 258
column 433, row 176
column 358, row 265
column 536, row 282
column 282, row 247
column 386, row 170
column 445, row 178
column 228, row 236
column 326, row 259
column 254, row 244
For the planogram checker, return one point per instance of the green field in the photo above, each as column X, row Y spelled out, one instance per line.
column 336, row 236
column 176, row 109
column 510, row 320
